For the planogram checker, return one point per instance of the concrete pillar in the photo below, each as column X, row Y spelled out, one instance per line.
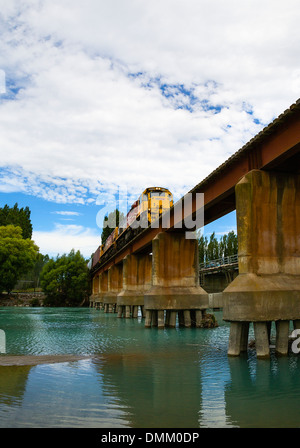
column 282, row 336
column 235, row 337
column 136, row 280
column 198, row 318
column 96, row 284
column 103, row 288
column 148, row 318
column 268, row 285
column 127, row 311
column 175, row 277
column 160, row 319
column 172, row 319
column 262, row 343
column 114, row 286
column 187, row 318
column 94, row 299
column 98, row 296
column 134, row 311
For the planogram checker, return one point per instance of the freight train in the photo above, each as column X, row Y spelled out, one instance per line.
column 149, row 206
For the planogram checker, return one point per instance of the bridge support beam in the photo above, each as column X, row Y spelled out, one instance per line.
column 268, row 285
column 175, row 283
column 114, row 286
column 136, row 280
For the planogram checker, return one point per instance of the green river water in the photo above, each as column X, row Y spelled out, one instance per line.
column 138, row 378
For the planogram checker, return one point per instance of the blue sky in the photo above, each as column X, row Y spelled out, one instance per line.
column 97, row 96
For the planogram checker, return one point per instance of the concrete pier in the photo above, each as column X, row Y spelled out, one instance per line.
column 94, row 298
column 268, row 285
column 215, row 300
column 114, row 286
column 103, row 288
column 136, row 280
column 175, row 289
column 282, row 335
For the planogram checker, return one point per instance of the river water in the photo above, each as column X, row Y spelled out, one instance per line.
column 138, row 378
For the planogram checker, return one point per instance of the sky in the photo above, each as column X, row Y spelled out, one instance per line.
column 98, row 96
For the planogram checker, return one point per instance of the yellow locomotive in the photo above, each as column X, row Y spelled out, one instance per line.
column 151, row 203
column 148, row 207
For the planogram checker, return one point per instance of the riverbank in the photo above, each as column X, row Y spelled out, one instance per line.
column 22, row 299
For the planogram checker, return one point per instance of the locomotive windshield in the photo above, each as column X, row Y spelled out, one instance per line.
column 155, row 194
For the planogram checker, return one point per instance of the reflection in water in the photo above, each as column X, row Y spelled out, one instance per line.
column 59, row 395
column 264, row 393
column 13, row 383
column 155, row 392
column 139, row 378
column 12, row 389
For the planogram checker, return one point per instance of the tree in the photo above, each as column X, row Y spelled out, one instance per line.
column 202, row 247
column 38, row 267
column 232, row 244
column 227, row 246
column 65, row 281
column 32, row 278
column 17, row 256
column 213, row 247
column 223, row 246
column 17, row 217
column 110, row 222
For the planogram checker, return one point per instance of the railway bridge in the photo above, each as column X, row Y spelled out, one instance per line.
column 215, row 275
column 157, row 267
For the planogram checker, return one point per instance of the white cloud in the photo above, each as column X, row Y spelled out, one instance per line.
column 66, row 213
column 63, row 238
column 138, row 93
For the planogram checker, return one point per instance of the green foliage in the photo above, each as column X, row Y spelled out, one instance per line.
column 35, row 302
column 202, row 247
column 65, row 281
column 38, row 267
column 231, row 246
column 17, row 217
column 32, row 278
column 213, row 249
column 17, row 256
column 110, row 222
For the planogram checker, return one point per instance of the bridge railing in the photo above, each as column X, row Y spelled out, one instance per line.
column 219, row 262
